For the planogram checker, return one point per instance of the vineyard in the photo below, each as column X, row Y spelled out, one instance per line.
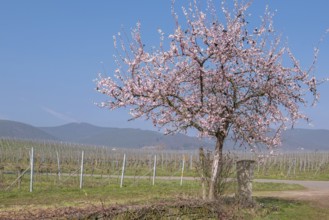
column 62, row 165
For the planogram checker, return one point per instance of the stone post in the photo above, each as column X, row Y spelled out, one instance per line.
column 2, row 168
column 245, row 175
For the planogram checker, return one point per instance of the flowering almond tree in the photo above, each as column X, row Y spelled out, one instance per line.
column 214, row 76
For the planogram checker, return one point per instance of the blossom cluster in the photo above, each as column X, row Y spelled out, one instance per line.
column 213, row 76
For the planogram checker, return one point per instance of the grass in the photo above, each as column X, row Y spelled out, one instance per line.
column 109, row 192
column 257, row 186
column 105, row 192
column 48, row 192
column 274, row 174
column 281, row 209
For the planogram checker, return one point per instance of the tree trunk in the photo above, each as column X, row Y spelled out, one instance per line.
column 216, row 166
column 204, row 168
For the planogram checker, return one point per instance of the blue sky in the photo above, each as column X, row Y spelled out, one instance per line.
column 51, row 51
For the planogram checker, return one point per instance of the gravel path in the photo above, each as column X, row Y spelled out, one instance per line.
column 317, row 192
column 310, row 185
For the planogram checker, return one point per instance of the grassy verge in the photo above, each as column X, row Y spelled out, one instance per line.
column 178, row 208
column 257, row 186
column 297, row 176
column 51, row 195
column 47, row 190
column 48, row 193
column 274, row 208
column 111, row 193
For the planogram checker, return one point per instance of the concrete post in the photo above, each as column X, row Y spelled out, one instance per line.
column 245, row 175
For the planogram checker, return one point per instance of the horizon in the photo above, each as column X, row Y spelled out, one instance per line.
column 52, row 51
column 296, row 139
column 140, row 128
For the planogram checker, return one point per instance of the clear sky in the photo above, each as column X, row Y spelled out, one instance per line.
column 51, row 51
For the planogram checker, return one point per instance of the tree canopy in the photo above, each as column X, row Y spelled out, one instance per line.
column 213, row 76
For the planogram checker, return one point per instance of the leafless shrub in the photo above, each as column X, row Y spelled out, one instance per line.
column 204, row 170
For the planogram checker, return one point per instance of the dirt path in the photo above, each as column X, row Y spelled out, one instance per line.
column 316, row 192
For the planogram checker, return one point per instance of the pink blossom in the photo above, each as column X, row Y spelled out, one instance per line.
column 214, row 77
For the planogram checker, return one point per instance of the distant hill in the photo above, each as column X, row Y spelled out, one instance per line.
column 295, row 140
column 122, row 137
column 307, row 139
column 74, row 131
column 13, row 129
column 85, row 133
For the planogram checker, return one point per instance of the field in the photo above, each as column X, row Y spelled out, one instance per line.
column 61, row 182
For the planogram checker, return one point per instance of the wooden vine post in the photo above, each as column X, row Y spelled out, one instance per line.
column 81, row 169
column 58, row 166
column 32, row 169
column 123, row 170
column 182, row 174
column 154, row 169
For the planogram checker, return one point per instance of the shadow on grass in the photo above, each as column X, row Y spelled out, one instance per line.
column 287, row 209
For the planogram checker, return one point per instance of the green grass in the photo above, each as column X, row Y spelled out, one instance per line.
column 108, row 192
column 105, row 192
column 275, row 174
column 257, row 186
column 261, row 187
column 281, row 209
column 48, row 191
